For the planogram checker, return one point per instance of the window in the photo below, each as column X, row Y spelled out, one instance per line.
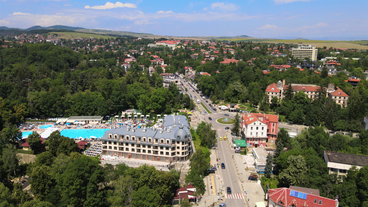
column 167, row 141
column 251, row 128
column 320, row 202
column 144, row 139
column 315, row 200
column 256, row 128
column 262, row 128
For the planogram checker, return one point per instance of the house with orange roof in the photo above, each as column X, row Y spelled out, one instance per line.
column 354, row 81
column 228, row 61
column 259, row 129
column 310, row 90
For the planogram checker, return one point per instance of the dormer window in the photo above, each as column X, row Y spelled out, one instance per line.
column 320, row 202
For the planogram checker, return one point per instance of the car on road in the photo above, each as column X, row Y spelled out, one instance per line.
column 227, row 128
column 209, row 118
column 225, row 138
column 223, row 165
column 212, row 170
column 226, row 114
column 222, row 205
column 228, row 190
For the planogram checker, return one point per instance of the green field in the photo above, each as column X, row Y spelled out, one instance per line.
column 70, row 35
column 360, row 45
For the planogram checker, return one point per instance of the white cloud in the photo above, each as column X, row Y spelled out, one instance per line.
column 110, row 5
column 20, row 14
column 321, row 25
column 165, row 12
column 223, row 6
column 268, row 26
column 143, row 22
column 287, row 1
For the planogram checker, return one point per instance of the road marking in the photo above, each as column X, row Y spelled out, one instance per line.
column 213, row 185
column 234, row 196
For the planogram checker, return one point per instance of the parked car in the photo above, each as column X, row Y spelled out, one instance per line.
column 226, row 114
column 209, row 118
column 222, row 205
column 227, row 128
column 228, row 189
column 223, row 165
column 253, row 177
column 212, row 170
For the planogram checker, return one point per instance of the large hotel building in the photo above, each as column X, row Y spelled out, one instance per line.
column 305, row 51
column 171, row 143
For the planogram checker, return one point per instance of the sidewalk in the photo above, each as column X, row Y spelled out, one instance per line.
column 254, row 192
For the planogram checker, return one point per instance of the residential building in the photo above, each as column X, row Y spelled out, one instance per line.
column 258, row 129
column 340, row 163
column 338, row 95
column 305, row 51
column 278, row 91
column 185, row 193
column 298, row 196
column 354, row 81
column 170, row 143
column 228, row 61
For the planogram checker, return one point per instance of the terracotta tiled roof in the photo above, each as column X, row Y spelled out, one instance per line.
column 339, row 92
column 303, row 88
column 273, row 88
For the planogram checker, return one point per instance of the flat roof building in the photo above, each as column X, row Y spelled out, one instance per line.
column 340, row 163
column 85, row 119
column 305, row 51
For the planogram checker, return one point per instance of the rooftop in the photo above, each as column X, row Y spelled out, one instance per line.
column 345, row 158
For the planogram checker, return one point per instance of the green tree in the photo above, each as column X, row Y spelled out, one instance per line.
column 296, row 173
column 34, row 141
column 37, row 203
column 146, row 197
column 236, row 125
column 207, row 135
column 41, row 182
column 9, row 162
column 289, row 93
column 268, row 169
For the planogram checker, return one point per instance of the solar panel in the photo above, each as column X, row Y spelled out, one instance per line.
column 291, row 193
column 305, row 196
column 298, row 194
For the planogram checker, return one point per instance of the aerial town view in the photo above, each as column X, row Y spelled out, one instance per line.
column 137, row 103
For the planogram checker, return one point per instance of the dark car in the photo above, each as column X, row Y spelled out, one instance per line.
column 209, row 118
column 227, row 128
column 222, row 165
column 212, row 170
column 252, row 178
column 226, row 114
column 228, row 189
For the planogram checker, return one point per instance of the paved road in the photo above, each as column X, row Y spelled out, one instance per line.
column 229, row 174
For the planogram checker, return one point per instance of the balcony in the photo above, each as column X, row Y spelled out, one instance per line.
column 155, row 152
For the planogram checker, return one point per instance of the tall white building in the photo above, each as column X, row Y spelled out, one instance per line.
column 305, row 51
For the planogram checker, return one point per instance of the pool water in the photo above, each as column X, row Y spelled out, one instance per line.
column 83, row 133
column 26, row 134
column 45, row 126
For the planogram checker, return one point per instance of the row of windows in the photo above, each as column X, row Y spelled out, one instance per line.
column 256, row 128
column 144, row 139
column 148, row 151
column 141, row 145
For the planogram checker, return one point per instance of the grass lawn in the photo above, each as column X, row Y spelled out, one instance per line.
column 70, row 35
column 246, row 107
column 232, row 121
column 206, row 108
column 271, row 182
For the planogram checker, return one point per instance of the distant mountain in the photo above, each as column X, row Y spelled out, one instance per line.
column 56, row 27
column 5, row 28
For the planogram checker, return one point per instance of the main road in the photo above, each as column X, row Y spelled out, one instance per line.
column 229, row 174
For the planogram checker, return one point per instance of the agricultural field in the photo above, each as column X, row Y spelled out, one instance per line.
column 70, row 35
column 360, row 45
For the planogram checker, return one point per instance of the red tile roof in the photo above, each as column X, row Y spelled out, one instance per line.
column 273, row 88
column 339, row 92
column 228, row 61
column 268, row 117
column 303, row 88
column 283, row 195
column 351, row 79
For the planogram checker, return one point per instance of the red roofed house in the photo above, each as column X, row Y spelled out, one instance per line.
column 298, row 196
column 277, row 90
column 338, row 95
column 354, row 81
column 258, row 129
column 185, row 193
column 82, row 145
column 27, row 147
column 228, row 61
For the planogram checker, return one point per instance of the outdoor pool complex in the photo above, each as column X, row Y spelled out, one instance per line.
column 45, row 126
column 26, row 134
column 83, row 133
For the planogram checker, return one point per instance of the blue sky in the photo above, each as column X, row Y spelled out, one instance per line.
column 311, row 19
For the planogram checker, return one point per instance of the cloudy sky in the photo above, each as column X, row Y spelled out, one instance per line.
column 311, row 19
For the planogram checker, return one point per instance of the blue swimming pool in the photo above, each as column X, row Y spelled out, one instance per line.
column 45, row 126
column 84, row 133
column 26, row 134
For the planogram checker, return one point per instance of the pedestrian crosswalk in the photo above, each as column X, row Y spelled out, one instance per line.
column 234, row 196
